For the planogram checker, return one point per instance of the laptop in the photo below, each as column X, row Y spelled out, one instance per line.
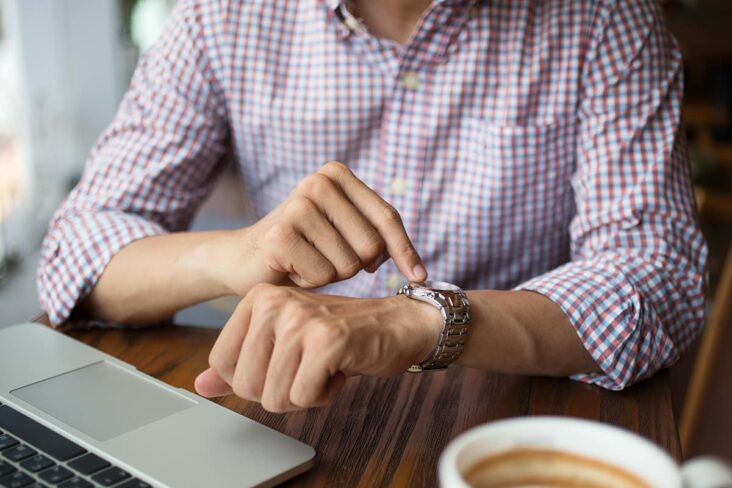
column 74, row 417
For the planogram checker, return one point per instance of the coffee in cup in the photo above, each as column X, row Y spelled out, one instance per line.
column 561, row 451
column 548, row 468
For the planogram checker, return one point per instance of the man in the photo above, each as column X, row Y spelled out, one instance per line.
column 532, row 150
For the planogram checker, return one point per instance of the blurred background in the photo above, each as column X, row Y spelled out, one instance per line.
column 65, row 64
column 64, row 67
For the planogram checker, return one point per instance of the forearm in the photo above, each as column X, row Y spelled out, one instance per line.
column 522, row 332
column 333, row 337
column 328, row 229
column 152, row 278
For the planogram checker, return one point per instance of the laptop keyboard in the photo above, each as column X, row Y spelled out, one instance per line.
column 32, row 456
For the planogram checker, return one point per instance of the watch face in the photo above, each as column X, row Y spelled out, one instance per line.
column 439, row 286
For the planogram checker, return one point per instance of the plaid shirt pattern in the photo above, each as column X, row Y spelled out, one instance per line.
column 527, row 144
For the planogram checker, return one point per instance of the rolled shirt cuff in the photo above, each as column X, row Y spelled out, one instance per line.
column 619, row 330
column 77, row 250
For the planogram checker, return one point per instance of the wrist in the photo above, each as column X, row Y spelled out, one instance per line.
column 218, row 261
column 425, row 323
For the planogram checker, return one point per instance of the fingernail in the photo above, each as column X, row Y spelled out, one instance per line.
column 420, row 274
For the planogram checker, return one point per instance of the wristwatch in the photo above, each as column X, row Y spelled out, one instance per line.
column 454, row 306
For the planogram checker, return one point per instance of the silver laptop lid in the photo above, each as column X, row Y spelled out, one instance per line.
column 161, row 434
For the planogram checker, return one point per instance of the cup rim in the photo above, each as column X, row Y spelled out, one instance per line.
column 448, row 471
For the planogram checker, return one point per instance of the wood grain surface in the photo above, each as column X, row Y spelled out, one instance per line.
column 390, row 432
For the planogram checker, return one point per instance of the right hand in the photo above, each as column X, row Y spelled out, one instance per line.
column 328, row 229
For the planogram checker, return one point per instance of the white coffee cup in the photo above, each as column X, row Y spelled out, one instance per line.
column 593, row 440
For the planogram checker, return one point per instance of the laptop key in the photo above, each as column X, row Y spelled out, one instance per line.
column 88, row 463
column 19, row 452
column 37, row 463
column 110, row 476
column 134, row 483
column 76, row 483
column 16, row 480
column 7, row 441
column 5, row 468
column 38, row 435
column 55, row 475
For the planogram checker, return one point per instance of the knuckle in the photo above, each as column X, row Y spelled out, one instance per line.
column 280, row 233
column 336, row 168
column 290, row 328
column 301, row 314
column 316, row 183
column 219, row 362
column 322, row 332
column 390, row 214
column 243, row 388
column 271, row 297
column 244, row 302
column 329, row 275
column 324, row 274
column 351, row 268
column 277, row 294
column 297, row 318
column 300, row 207
column 260, row 289
column 301, row 398
column 372, row 247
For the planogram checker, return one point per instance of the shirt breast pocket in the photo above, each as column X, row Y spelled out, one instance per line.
column 517, row 193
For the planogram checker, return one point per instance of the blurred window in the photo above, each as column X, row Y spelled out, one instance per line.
column 13, row 178
column 64, row 66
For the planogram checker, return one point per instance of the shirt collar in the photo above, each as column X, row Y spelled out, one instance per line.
column 334, row 4
column 351, row 25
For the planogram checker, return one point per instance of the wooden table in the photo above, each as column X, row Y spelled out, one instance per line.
column 383, row 432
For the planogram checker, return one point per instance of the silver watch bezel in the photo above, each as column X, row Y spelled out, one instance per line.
column 453, row 304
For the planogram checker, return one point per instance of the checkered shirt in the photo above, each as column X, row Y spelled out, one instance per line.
column 532, row 145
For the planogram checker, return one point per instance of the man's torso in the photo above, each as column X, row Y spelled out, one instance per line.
column 469, row 130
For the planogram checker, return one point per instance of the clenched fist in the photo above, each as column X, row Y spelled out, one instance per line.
column 289, row 348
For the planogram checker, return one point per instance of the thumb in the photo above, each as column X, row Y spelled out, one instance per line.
column 209, row 384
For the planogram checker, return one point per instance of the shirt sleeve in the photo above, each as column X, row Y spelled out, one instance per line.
column 147, row 172
column 634, row 289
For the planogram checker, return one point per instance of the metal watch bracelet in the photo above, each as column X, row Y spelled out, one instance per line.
column 454, row 307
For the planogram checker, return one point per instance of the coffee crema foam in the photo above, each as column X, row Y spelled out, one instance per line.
column 533, row 467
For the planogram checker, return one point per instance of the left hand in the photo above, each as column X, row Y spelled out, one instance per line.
column 291, row 349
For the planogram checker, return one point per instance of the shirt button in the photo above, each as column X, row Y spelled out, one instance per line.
column 398, row 186
column 394, row 282
column 410, row 81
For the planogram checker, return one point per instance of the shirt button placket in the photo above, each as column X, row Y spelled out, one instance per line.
column 410, row 81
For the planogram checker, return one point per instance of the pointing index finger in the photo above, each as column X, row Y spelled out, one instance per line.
column 383, row 217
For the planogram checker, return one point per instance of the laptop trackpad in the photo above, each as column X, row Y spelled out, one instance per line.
column 103, row 400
